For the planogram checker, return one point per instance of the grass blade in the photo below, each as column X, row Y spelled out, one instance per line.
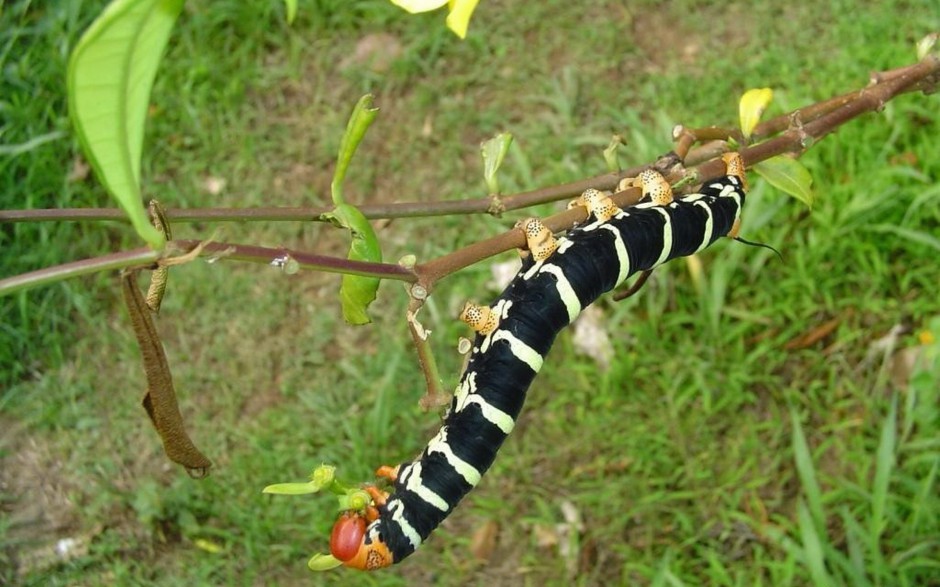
column 884, row 465
column 804, row 468
column 812, row 547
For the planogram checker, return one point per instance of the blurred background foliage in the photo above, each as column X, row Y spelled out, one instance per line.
column 773, row 423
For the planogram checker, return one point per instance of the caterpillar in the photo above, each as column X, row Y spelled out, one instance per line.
column 558, row 278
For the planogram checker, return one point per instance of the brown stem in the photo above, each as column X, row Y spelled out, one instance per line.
column 434, row 396
column 483, row 205
column 144, row 256
column 282, row 258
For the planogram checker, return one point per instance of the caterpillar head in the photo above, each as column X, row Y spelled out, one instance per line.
column 358, row 546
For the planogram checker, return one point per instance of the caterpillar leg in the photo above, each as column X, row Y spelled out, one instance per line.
column 539, row 239
column 655, row 187
column 387, row 472
column 597, row 202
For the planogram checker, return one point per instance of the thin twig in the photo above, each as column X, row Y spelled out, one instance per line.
column 235, row 252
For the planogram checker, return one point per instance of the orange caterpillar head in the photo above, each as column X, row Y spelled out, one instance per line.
column 348, row 543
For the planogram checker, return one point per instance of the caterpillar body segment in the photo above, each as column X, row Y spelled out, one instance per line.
column 546, row 295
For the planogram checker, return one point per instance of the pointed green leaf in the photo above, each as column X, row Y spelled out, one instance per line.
column 357, row 292
column 359, row 121
column 494, row 151
column 323, row 562
column 788, row 175
column 110, row 75
column 752, row 106
column 291, row 6
column 291, row 488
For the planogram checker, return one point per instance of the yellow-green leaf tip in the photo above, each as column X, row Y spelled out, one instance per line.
column 752, row 106
column 291, row 7
column 323, row 562
column 291, row 488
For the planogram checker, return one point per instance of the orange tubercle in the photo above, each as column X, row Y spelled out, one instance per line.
column 370, row 557
column 734, row 165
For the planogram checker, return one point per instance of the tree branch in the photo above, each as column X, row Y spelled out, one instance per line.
column 797, row 130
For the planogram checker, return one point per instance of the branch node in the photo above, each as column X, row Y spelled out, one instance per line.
column 419, row 292
column 796, row 126
column 669, row 164
column 496, row 207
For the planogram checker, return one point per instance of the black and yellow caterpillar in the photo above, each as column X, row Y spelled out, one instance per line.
column 558, row 279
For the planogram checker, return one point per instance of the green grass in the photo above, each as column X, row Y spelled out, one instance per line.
column 707, row 454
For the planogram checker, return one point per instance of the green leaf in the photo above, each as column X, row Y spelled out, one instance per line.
column 752, row 106
column 110, row 75
column 323, row 562
column 291, row 488
column 494, row 151
column 359, row 121
column 357, row 292
column 788, row 175
column 291, row 6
